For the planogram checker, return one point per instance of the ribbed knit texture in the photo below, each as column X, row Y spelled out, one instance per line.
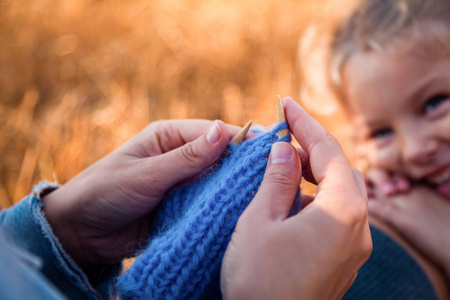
column 195, row 224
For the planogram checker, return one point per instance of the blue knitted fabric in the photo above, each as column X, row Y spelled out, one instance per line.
column 195, row 224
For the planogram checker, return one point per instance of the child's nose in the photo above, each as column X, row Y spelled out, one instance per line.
column 419, row 149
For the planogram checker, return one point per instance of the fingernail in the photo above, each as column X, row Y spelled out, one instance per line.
column 281, row 152
column 214, row 133
column 387, row 188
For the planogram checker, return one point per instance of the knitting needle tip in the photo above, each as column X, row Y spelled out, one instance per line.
column 241, row 134
column 281, row 117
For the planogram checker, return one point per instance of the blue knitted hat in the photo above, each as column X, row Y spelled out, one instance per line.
column 195, row 224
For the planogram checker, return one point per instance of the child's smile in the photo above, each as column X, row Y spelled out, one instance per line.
column 401, row 105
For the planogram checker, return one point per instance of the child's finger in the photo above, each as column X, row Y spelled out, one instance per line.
column 401, row 183
column 381, row 180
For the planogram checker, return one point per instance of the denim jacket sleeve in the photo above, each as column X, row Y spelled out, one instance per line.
column 27, row 226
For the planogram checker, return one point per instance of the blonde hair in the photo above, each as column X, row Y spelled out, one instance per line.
column 391, row 26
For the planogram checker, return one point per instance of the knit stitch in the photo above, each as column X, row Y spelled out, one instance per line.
column 195, row 223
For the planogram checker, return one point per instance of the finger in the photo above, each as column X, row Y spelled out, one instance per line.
column 307, row 199
column 401, row 183
column 352, row 281
column 304, row 157
column 360, row 183
column 348, row 285
column 281, row 181
column 172, row 134
column 192, row 157
column 329, row 165
column 306, row 168
column 380, row 179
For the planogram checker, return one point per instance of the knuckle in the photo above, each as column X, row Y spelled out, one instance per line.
column 357, row 213
column 326, row 141
column 190, row 152
column 163, row 133
column 161, row 130
column 156, row 126
column 249, row 219
column 278, row 178
column 332, row 141
column 367, row 248
column 359, row 181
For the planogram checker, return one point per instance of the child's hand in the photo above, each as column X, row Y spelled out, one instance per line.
column 315, row 254
column 382, row 180
column 105, row 210
column 422, row 217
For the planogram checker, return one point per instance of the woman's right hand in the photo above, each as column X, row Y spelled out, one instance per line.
column 315, row 254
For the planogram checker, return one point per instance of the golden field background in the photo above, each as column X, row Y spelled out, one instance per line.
column 78, row 78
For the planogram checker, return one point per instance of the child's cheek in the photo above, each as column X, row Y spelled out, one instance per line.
column 382, row 157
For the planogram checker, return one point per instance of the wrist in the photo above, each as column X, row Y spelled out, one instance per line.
column 59, row 222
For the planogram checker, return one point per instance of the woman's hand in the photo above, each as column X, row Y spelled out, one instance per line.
column 104, row 213
column 422, row 217
column 315, row 254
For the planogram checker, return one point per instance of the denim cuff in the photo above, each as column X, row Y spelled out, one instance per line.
column 30, row 230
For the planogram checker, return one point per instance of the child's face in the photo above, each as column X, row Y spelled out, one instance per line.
column 401, row 103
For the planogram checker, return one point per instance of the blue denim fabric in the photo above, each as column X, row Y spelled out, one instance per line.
column 21, row 276
column 27, row 238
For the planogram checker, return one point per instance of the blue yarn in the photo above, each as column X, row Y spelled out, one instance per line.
column 194, row 226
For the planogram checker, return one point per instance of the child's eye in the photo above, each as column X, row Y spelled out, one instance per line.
column 380, row 133
column 434, row 102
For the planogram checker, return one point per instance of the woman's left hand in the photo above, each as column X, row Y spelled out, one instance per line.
column 422, row 216
column 104, row 213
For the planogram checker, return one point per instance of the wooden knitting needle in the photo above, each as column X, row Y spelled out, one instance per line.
column 241, row 134
column 281, row 117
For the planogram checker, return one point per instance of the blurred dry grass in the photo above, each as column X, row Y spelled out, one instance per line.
column 78, row 78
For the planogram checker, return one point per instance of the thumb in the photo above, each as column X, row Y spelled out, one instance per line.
column 281, row 182
column 192, row 158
